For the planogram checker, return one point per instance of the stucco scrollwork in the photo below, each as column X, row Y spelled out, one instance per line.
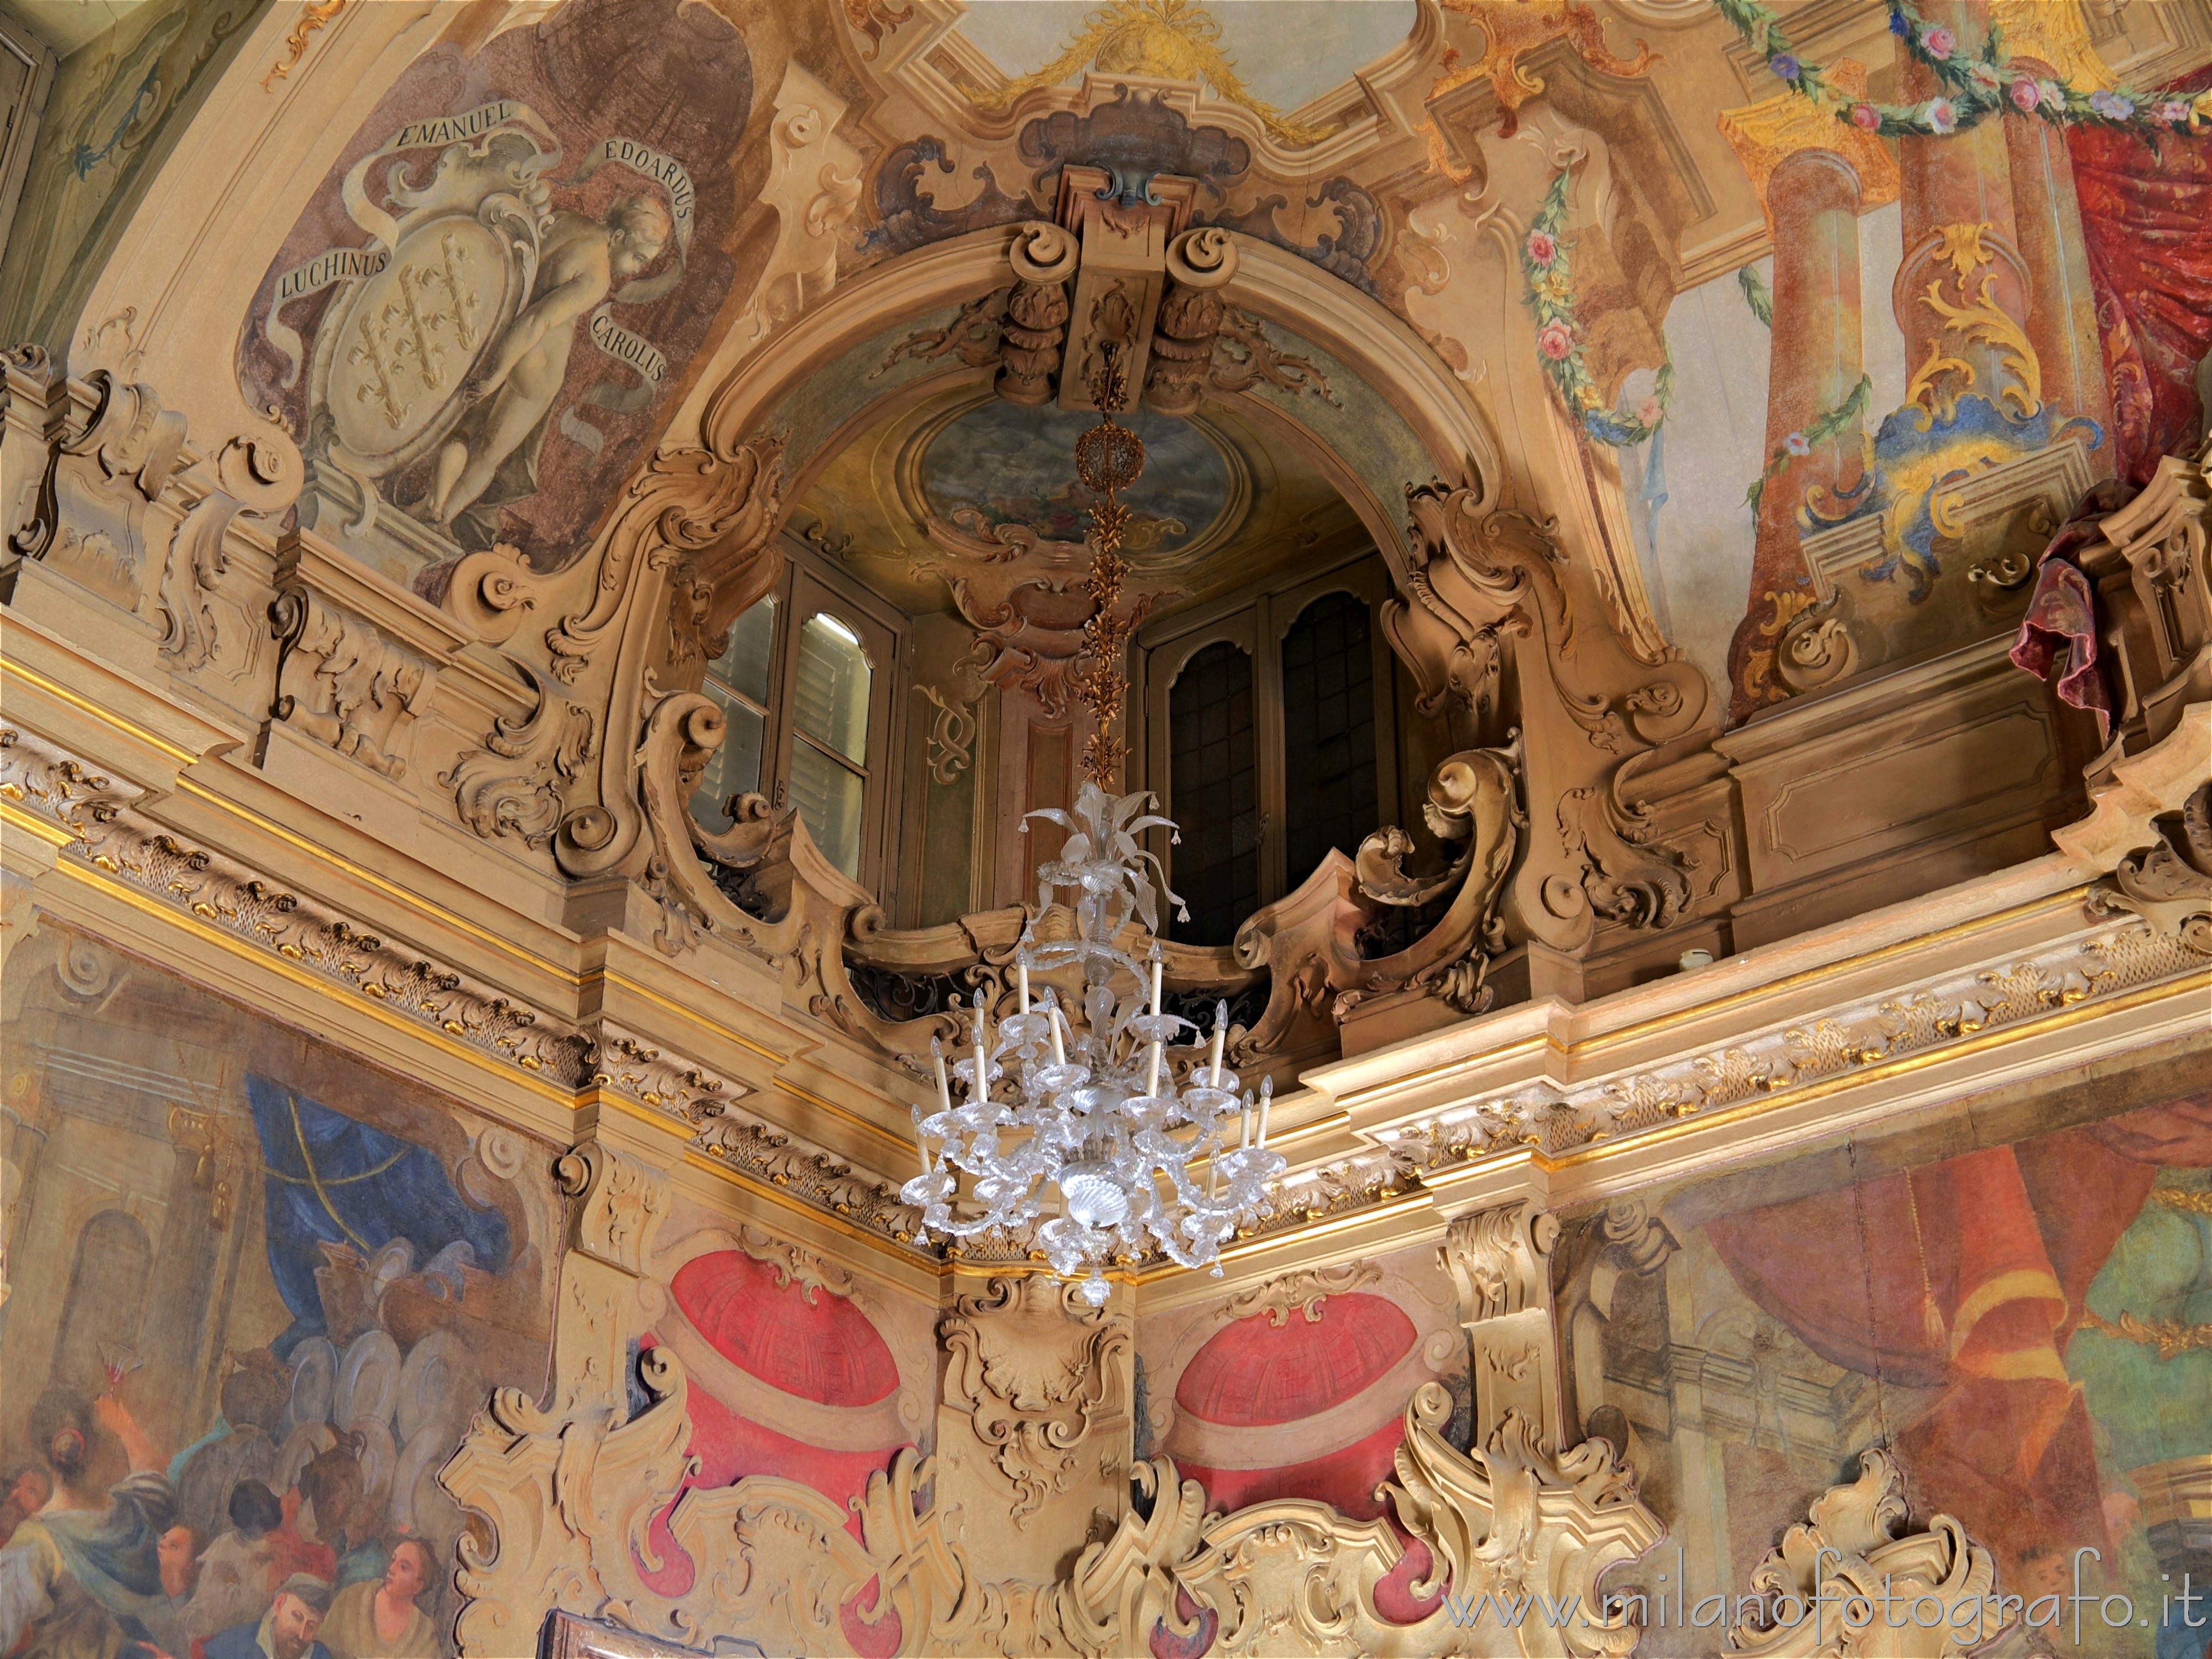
column 564, row 1498
column 620, row 1205
column 567, row 1499
column 1044, row 257
column 514, row 784
column 1486, row 594
column 723, row 493
column 1500, row 1260
column 341, row 683
column 2169, row 883
column 1033, row 1366
column 1507, row 1520
column 1302, row 1292
column 1823, row 1586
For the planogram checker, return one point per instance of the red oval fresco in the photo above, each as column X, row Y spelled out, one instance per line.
column 1255, row 1372
column 793, row 1336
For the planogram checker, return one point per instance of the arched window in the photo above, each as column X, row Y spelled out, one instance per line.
column 1213, row 792
column 107, row 1298
column 805, row 685
column 738, row 680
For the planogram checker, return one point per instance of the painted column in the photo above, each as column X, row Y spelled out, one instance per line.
column 1812, row 202
column 2062, row 318
column 1816, row 176
column 1959, row 230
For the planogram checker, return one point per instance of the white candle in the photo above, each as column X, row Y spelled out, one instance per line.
column 1220, row 1037
column 1244, row 1139
column 1156, row 982
column 1267, row 1099
column 921, row 1145
column 1153, row 1070
column 982, row 1064
column 944, row 1083
column 1023, row 966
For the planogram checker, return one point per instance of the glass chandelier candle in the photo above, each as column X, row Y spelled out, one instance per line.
column 1086, row 1125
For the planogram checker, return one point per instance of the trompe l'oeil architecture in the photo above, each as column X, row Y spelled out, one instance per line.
column 1141, row 829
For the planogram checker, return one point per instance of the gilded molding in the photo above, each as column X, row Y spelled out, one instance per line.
column 693, row 1100
column 57, row 786
column 564, row 1497
column 1852, row 1553
column 821, row 1180
column 228, row 894
column 1914, row 1021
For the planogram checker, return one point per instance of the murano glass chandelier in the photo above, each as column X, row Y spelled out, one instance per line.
column 1111, row 1147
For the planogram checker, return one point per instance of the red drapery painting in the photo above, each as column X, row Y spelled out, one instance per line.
column 2146, row 220
column 1969, row 1276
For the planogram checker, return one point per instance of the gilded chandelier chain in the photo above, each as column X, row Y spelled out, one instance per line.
column 1108, row 458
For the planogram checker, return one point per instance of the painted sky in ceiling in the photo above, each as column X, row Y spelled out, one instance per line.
column 1016, row 465
column 1286, row 51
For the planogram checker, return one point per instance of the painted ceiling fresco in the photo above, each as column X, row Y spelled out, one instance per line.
column 1577, row 208
column 1222, row 500
column 1242, row 47
column 472, row 325
column 1010, row 465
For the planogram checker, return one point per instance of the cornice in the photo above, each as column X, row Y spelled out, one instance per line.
column 102, row 840
column 1805, row 1033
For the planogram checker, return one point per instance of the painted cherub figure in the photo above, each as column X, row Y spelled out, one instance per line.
column 581, row 261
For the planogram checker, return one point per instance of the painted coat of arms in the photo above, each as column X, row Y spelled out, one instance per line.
column 435, row 370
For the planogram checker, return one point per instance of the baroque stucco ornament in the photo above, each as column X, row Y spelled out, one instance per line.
column 568, row 1495
column 565, row 1496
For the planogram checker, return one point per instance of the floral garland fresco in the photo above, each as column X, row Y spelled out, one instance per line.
column 1560, row 336
column 1756, row 294
column 1976, row 84
column 1818, row 430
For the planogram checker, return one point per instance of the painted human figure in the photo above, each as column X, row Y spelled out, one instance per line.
column 81, row 1578
column 581, row 261
column 238, row 1575
column 23, row 1493
column 177, row 1558
column 378, row 1619
column 290, row 1630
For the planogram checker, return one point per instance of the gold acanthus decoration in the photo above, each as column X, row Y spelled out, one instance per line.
column 1849, row 1550
column 1108, row 458
column 1976, row 319
column 315, row 15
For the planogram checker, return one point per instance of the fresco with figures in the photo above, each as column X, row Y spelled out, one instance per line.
column 114, row 102
column 260, row 1289
column 2013, row 1305
column 473, row 329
